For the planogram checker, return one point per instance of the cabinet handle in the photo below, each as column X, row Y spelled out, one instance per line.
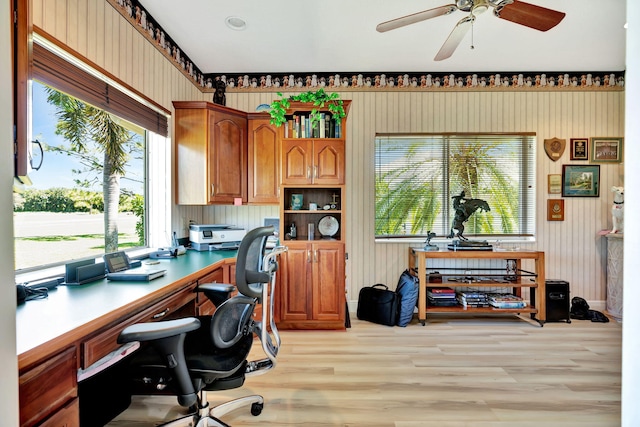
column 308, row 172
column 315, row 256
column 213, row 190
column 308, row 256
column 161, row 314
column 315, row 171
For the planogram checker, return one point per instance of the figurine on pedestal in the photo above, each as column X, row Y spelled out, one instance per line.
column 428, row 246
column 464, row 208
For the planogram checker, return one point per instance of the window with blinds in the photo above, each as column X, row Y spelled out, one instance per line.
column 418, row 177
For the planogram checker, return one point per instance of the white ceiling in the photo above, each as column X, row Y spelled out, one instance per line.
column 340, row 36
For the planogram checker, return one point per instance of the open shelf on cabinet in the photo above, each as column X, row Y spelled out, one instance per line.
column 479, row 277
column 321, row 196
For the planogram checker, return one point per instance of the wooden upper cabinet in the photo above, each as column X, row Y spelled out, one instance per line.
column 264, row 160
column 317, row 160
column 211, row 153
column 306, row 161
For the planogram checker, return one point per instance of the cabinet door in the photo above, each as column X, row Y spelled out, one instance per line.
column 297, row 161
column 192, row 155
column 264, row 163
column 228, row 157
column 328, row 162
column 328, row 269
column 295, row 293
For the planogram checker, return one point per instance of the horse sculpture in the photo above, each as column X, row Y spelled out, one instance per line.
column 464, row 209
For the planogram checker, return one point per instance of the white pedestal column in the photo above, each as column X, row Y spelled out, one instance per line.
column 615, row 258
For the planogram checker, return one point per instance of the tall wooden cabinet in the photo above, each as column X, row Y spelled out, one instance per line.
column 311, row 293
column 211, row 153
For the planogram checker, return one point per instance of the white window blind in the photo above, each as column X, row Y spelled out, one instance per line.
column 417, row 176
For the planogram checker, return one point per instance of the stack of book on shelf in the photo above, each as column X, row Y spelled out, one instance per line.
column 471, row 298
column 505, row 301
column 299, row 126
column 441, row 297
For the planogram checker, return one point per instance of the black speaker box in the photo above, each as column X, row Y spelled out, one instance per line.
column 557, row 300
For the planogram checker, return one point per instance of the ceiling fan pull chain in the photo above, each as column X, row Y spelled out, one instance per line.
column 472, row 25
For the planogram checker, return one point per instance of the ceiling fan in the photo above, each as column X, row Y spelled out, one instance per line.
column 529, row 15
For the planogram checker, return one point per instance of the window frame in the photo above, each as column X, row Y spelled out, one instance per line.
column 526, row 212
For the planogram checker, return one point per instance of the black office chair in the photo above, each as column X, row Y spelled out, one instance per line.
column 188, row 357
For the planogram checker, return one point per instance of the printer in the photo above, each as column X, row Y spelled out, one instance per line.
column 215, row 237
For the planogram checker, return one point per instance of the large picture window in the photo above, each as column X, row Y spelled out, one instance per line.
column 87, row 196
column 96, row 148
column 420, row 177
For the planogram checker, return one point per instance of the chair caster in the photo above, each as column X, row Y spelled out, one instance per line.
column 256, row 409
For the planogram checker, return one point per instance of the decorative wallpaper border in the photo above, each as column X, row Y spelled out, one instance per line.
column 135, row 13
column 141, row 20
column 424, row 81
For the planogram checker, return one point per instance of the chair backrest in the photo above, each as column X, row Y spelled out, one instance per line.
column 232, row 321
column 250, row 279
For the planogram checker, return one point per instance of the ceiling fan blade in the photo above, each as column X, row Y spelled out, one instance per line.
column 454, row 39
column 530, row 15
column 416, row 17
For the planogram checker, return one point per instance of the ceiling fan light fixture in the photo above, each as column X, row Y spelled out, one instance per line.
column 479, row 9
column 464, row 5
column 236, row 23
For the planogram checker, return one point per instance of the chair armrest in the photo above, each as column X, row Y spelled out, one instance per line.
column 158, row 330
column 216, row 292
column 215, row 287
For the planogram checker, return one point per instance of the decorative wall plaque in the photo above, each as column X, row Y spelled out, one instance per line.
column 554, row 147
column 555, row 210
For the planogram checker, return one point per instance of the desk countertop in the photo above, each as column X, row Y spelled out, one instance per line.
column 70, row 308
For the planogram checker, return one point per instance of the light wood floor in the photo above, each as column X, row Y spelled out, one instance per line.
column 500, row 371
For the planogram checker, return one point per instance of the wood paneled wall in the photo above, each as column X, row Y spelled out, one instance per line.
column 574, row 250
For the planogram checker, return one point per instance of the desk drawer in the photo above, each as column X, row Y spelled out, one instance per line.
column 47, row 387
column 180, row 304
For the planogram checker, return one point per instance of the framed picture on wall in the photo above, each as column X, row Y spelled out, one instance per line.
column 579, row 149
column 606, row 150
column 581, row 181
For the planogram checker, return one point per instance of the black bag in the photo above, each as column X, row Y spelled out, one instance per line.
column 378, row 304
column 580, row 310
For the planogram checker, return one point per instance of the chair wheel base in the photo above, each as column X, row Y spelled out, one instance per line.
column 256, row 409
